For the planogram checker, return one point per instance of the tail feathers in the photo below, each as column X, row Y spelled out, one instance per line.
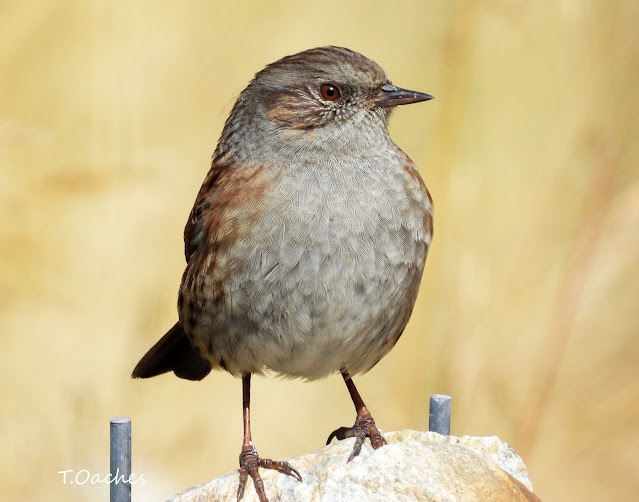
column 173, row 352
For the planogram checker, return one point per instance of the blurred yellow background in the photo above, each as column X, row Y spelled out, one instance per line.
column 529, row 310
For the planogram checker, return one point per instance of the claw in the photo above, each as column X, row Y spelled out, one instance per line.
column 364, row 427
column 250, row 462
column 341, row 433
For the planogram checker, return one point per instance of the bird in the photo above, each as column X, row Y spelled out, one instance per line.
column 307, row 241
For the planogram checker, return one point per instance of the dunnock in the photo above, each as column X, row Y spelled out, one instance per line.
column 307, row 241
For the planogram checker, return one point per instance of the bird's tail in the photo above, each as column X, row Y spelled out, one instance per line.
column 173, row 352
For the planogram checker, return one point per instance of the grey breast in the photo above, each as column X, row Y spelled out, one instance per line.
column 327, row 280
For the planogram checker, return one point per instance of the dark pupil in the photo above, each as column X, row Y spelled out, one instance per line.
column 330, row 91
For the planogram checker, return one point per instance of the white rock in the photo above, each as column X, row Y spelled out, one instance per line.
column 422, row 466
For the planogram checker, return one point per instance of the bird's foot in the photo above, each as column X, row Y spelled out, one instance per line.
column 364, row 428
column 250, row 462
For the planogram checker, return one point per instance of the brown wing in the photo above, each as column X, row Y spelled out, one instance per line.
column 174, row 352
column 228, row 195
column 227, row 207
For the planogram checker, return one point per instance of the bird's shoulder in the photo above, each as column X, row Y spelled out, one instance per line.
column 230, row 193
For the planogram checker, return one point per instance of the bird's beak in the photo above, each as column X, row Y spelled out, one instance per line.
column 389, row 95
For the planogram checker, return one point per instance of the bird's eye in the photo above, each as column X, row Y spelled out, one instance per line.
column 330, row 92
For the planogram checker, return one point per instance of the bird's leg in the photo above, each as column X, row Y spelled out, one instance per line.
column 364, row 424
column 250, row 461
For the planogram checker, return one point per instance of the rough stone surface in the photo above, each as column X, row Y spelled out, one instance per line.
column 422, row 466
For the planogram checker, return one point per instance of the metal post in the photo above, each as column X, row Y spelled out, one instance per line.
column 120, row 459
column 439, row 416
